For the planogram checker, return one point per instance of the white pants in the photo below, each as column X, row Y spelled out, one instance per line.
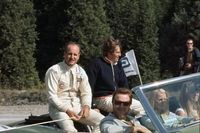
column 105, row 104
column 94, row 120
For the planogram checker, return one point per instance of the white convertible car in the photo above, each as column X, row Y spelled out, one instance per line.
column 165, row 102
column 171, row 105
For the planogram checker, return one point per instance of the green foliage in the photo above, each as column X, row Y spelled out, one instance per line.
column 87, row 26
column 134, row 22
column 122, row 16
column 139, row 24
column 167, row 51
column 148, row 47
column 184, row 22
column 17, row 42
column 51, row 20
column 187, row 18
column 164, row 10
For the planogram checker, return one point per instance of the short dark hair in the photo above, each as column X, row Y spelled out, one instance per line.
column 123, row 91
column 70, row 43
column 190, row 38
column 109, row 45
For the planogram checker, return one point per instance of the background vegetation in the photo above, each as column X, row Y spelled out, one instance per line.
column 32, row 33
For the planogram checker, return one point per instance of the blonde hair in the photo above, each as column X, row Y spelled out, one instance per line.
column 154, row 93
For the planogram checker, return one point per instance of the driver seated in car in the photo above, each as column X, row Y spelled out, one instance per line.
column 160, row 104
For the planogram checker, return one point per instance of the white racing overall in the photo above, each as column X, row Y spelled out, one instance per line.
column 68, row 88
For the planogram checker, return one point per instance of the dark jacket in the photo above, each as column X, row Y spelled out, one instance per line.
column 101, row 78
column 196, row 60
column 195, row 63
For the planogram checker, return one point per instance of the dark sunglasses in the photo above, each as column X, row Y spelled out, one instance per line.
column 120, row 103
column 189, row 43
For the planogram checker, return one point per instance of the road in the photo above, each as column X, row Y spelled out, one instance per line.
column 10, row 114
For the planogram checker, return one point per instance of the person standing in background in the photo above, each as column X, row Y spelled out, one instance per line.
column 190, row 63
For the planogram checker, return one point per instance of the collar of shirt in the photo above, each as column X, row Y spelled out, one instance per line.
column 70, row 67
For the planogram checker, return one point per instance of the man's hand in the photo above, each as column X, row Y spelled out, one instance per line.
column 84, row 111
column 140, row 129
column 73, row 115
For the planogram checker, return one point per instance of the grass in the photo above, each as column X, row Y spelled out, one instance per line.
column 22, row 97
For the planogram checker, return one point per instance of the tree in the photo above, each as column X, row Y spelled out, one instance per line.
column 51, row 20
column 134, row 22
column 87, row 26
column 17, row 42
column 184, row 22
column 122, row 18
column 148, row 41
column 187, row 19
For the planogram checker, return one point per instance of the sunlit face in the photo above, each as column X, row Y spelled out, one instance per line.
column 189, row 44
column 114, row 57
column 161, row 102
column 121, row 105
column 72, row 54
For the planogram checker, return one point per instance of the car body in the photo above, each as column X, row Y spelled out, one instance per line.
column 173, row 87
column 39, row 124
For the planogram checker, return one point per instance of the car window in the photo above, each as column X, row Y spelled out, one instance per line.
column 176, row 104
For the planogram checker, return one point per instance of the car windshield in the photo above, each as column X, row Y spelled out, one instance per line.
column 176, row 103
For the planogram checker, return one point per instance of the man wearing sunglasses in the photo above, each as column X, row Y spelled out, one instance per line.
column 190, row 63
column 119, row 120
